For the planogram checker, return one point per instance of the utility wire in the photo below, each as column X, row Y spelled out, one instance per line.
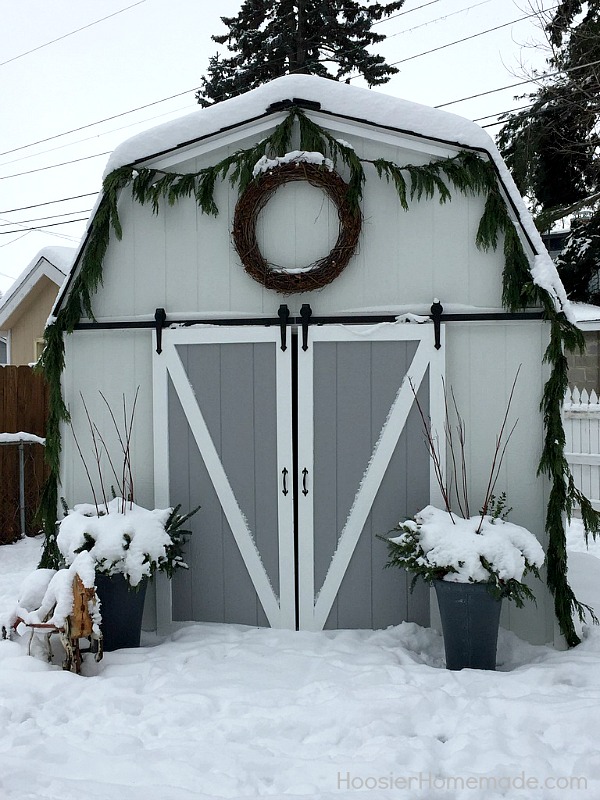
column 49, row 202
column 43, row 227
column 41, row 219
column 71, row 33
column 53, row 166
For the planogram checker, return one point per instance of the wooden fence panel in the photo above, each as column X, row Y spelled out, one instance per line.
column 23, row 408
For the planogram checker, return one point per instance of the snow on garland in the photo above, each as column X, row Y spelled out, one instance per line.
column 466, row 172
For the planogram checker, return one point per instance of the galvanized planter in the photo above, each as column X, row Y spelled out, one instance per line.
column 122, row 608
column 470, row 617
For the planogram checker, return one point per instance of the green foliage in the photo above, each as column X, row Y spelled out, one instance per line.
column 408, row 553
column 552, row 147
column 496, row 508
column 270, row 38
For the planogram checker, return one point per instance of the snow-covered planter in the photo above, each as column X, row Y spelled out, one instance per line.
column 439, row 545
column 473, row 564
column 124, row 538
column 127, row 544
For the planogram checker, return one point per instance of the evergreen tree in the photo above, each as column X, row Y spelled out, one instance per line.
column 270, row 38
column 552, row 147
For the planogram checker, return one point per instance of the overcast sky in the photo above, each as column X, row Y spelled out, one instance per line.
column 68, row 65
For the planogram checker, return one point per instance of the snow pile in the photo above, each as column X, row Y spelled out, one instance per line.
column 228, row 711
column 449, row 541
column 21, row 436
column 46, row 595
column 264, row 164
column 133, row 542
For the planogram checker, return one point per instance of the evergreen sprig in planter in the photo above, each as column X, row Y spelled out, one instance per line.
column 128, row 545
column 473, row 564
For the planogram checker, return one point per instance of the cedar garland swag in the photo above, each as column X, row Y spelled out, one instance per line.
column 466, row 172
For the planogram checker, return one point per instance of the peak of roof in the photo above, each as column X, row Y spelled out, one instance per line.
column 370, row 105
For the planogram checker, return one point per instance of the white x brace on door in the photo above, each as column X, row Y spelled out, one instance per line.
column 231, row 388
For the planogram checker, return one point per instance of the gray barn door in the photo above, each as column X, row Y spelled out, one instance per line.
column 365, row 466
column 223, row 425
column 225, row 398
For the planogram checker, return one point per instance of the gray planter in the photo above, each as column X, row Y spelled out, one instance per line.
column 122, row 608
column 470, row 617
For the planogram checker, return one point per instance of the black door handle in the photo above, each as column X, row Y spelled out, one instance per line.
column 304, row 476
column 284, row 473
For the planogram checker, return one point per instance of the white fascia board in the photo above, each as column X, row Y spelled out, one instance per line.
column 42, row 268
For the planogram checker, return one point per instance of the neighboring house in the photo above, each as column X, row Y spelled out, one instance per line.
column 584, row 368
column 278, row 394
column 2, row 350
column 26, row 306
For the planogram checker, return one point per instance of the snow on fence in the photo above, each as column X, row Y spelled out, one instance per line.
column 581, row 418
column 23, row 407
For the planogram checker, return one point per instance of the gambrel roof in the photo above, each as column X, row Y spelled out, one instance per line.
column 367, row 110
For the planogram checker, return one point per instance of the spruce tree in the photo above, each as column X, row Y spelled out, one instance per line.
column 553, row 147
column 270, row 38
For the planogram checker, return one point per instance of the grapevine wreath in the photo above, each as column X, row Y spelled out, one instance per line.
column 254, row 199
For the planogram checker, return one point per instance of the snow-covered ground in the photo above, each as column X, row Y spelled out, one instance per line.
column 221, row 711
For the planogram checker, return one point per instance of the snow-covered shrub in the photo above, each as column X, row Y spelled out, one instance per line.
column 439, row 545
column 122, row 537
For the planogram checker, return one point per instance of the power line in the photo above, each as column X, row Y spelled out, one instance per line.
column 98, row 122
column 43, row 227
column 520, row 83
column 41, row 219
column 465, row 39
column 53, row 166
column 171, row 97
column 49, row 202
column 71, row 33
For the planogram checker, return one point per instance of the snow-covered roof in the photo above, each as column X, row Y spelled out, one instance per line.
column 51, row 262
column 587, row 316
column 352, row 103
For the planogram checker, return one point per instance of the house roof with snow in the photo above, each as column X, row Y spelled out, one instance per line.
column 51, row 263
column 367, row 108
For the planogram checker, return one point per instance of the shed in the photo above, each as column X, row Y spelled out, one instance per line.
column 280, row 335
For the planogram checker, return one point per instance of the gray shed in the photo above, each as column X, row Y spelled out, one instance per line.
column 282, row 402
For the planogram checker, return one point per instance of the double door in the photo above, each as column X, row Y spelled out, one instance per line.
column 299, row 454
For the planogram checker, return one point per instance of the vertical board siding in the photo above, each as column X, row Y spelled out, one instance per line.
column 23, row 408
column 355, row 384
column 235, row 389
column 184, row 261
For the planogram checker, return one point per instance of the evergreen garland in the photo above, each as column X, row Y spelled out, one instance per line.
column 467, row 173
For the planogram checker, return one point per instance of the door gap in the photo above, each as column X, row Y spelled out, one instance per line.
column 295, row 484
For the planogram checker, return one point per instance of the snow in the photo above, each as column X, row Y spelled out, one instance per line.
column 451, row 541
column 265, row 164
column 21, row 436
column 128, row 539
column 343, row 99
column 228, row 711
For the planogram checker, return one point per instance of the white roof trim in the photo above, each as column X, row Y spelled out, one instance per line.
column 40, row 267
column 366, row 108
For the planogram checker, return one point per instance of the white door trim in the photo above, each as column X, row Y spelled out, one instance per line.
column 280, row 611
column 314, row 609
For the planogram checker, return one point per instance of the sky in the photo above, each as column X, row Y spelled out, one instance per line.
column 77, row 78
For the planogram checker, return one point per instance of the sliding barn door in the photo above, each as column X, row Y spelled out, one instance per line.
column 364, row 466
column 223, row 439
column 299, row 458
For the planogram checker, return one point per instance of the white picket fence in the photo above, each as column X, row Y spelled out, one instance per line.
column 581, row 418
